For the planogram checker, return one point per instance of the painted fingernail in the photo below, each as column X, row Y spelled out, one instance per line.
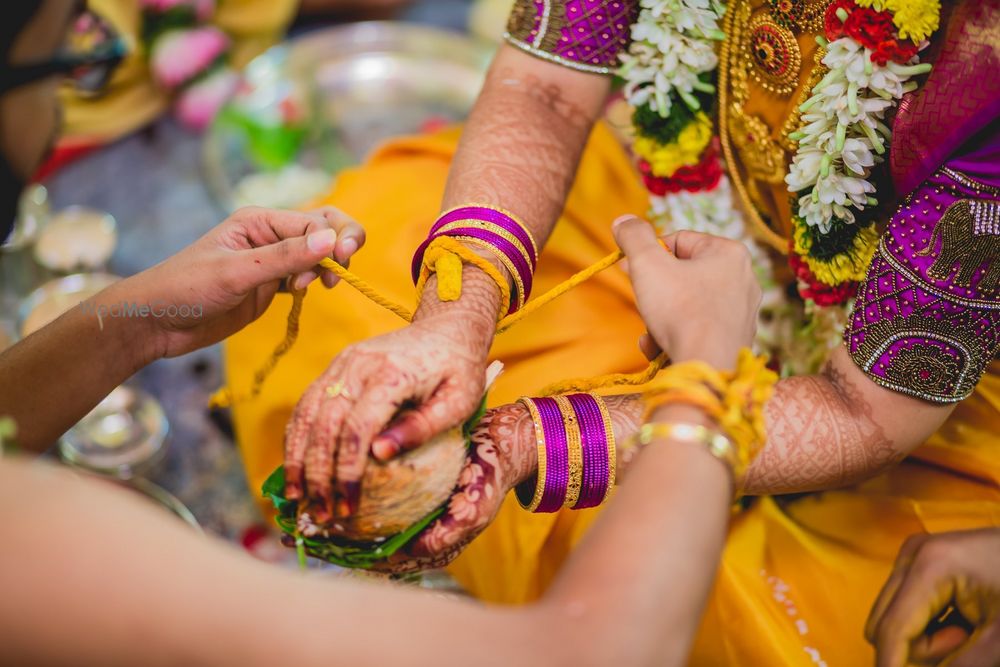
column 348, row 247
column 385, row 447
column 321, row 241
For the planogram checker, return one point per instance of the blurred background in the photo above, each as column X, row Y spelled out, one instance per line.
column 217, row 104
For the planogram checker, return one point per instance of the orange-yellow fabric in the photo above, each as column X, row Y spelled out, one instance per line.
column 797, row 577
column 132, row 98
column 396, row 195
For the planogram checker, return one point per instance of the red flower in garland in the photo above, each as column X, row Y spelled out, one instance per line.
column 869, row 27
column 872, row 29
column 896, row 51
column 696, row 178
column 832, row 25
column 822, row 294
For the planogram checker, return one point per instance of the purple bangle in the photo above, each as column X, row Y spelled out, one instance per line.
column 596, row 466
column 504, row 246
column 501, row 244
column 496, row 217
column 556, row 455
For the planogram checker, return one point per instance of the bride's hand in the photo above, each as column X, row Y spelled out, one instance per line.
column 396, row 391
column 502, row 454
column 698, row 302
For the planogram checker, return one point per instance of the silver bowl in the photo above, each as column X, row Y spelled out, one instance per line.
column 57, row 296
column 350, row 87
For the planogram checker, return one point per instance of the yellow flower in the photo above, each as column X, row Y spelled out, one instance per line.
column 665, row 159
column 916, row 19
column 847, row 266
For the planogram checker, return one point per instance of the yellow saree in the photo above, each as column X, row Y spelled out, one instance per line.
column 797, row 577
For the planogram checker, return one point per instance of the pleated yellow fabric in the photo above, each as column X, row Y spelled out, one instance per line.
column 797, row 577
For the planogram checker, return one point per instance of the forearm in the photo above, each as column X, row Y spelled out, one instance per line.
column 56, row 375
column 633, row 592
column 520, row 150
column 524, row 138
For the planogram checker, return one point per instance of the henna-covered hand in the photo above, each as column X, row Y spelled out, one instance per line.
column 502, row 455
column 388, row 394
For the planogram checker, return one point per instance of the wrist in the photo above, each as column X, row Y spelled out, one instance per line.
column 510, row 429
column 681, row 413
column 124, row 312
column 475, row 311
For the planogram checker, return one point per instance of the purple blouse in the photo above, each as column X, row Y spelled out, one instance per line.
column 927, row 318
column 586, row 35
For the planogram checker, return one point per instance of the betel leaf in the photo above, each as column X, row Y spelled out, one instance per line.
column 337, row 550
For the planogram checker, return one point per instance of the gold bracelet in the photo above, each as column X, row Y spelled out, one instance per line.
column 536, row 498
column 717, row 444
column 609, row 435
column 575, row 446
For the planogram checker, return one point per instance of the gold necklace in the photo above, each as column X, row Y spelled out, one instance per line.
column 761, row 157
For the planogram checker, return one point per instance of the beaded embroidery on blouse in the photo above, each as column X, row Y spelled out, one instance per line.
column 927, row 318
column 585, row 35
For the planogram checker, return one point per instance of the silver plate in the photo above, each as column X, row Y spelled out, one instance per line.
column 354, row 86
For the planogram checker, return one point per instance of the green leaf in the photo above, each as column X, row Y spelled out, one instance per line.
column 274, row 485
column 334, row 550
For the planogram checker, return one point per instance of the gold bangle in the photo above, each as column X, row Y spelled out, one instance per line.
column 609, row 435
column 717, row 444
column 503, row 211
column 504, row 259
column 536, row 420
column 575, row 446
column 493, row 228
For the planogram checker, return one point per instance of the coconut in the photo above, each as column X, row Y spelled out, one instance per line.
column 398, row 493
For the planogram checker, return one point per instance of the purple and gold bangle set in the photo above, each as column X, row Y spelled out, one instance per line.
column 576, row 453
column 492, row 229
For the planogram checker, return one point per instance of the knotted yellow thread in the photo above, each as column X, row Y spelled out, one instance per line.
column 733, row 399
column 451, row 273
column 445, row 256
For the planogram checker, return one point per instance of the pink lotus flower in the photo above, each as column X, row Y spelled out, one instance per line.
column 198, row 104
column 203, row 9
column 180, row 55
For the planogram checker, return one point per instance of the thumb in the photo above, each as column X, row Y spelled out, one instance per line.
column 292, row 255
column 636, row 237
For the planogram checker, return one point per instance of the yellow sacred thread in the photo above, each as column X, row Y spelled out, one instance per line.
column 450, row 272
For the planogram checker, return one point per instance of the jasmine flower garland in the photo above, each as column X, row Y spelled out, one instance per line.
column 843, row 134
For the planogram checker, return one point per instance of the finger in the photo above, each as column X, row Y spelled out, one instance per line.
column 329, row 278
column 372, row 411
column 350, row 234
column 938, row 646
column 649, row 347
column 324, row 437
column 300, row 254
column 301, row 280
column 687, row 244
column 637, row 239
column 922, row 595
column 899, row 569
column 452, row 403
column 983, row 648
column 297, row 439
column 263, row 226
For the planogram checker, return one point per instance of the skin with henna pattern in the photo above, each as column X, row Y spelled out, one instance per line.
column 520, row 150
